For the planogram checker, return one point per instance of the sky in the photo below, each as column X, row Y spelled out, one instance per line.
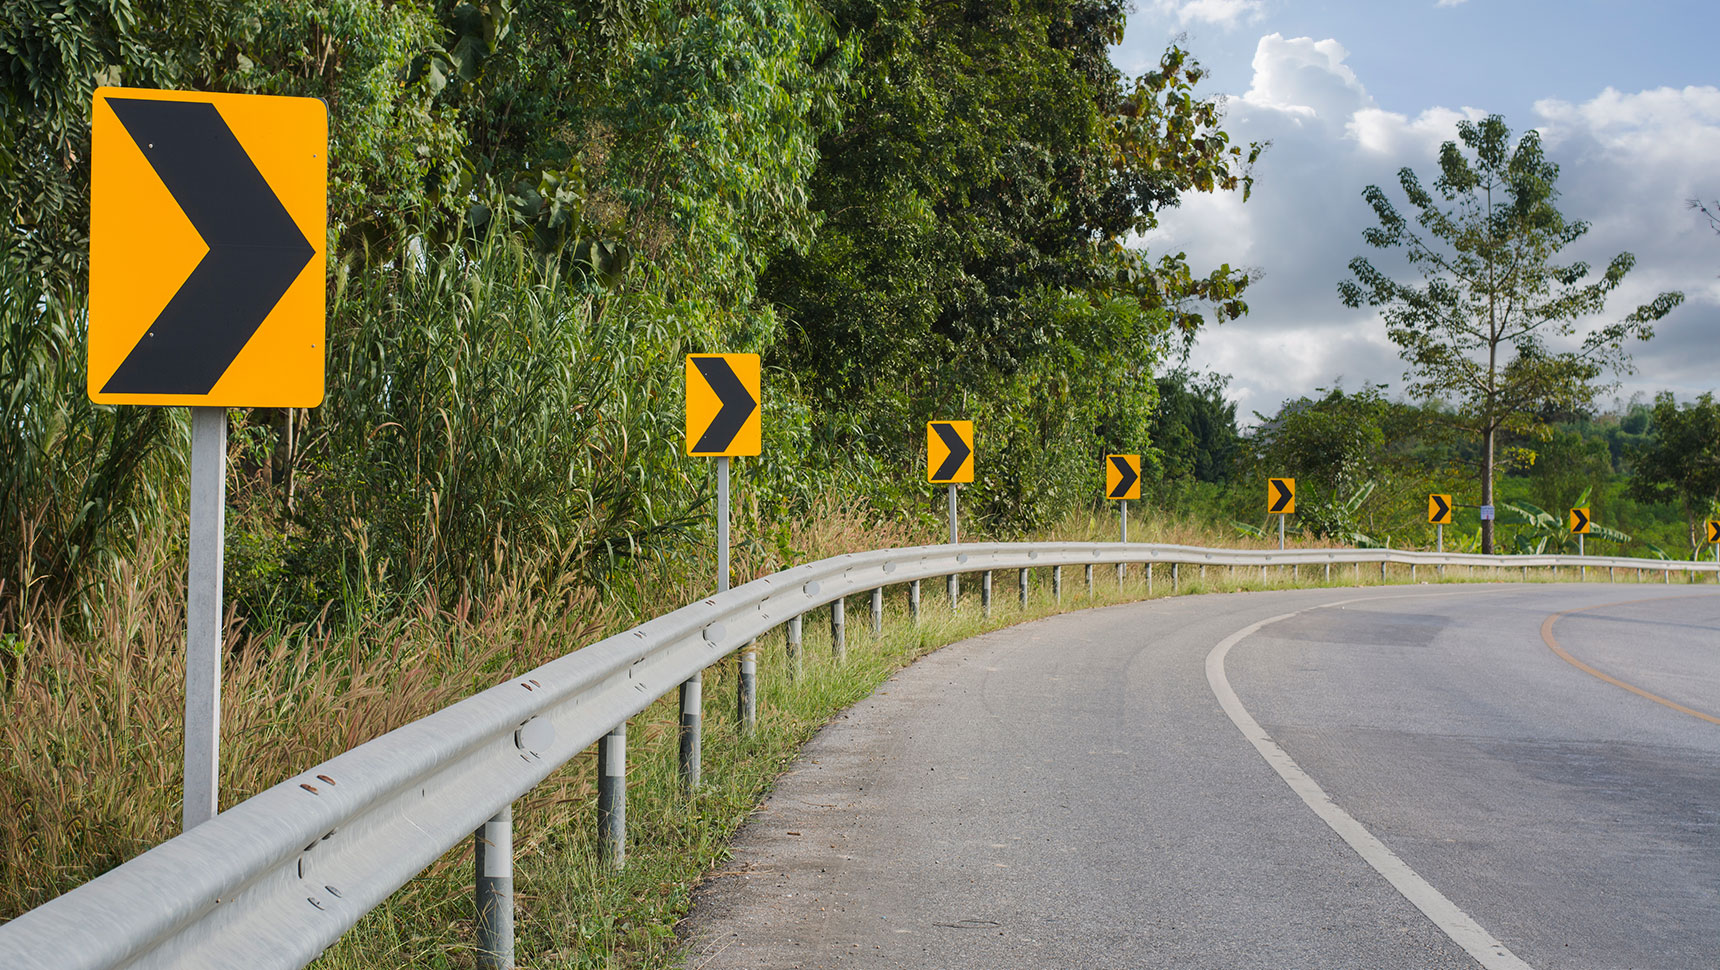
column 1348, row 92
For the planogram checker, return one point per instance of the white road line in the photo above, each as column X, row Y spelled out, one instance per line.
column 1454, row 922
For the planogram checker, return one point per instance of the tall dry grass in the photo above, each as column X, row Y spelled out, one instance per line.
column 91, row 725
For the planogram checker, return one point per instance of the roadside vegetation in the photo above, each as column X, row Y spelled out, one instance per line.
column 911, row 210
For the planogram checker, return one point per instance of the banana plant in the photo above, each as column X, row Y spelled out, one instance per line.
column 1540, row 531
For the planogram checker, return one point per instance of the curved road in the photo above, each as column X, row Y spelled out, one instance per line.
column 1400, row 777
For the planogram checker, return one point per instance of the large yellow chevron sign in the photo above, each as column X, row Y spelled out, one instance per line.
column 208, row 221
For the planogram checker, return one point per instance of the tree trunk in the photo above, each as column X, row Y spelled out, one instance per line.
column 1487, row 492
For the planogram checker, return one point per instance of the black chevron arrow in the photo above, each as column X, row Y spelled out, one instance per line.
column 1581, row 522
column 255, row 248
column 1443, row 509
column 959, row 451
column 1129, row 478
column 1714, row 530
column 738, row 404
column 1284, row 498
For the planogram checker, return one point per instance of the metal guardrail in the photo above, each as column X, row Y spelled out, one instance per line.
column 273, row 881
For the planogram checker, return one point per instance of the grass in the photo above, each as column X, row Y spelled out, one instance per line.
column 92, row 732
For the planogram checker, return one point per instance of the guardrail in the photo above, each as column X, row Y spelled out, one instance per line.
column 273, row 881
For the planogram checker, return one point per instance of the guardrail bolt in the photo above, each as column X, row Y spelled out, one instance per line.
column 838, row 630
column 612, row 796
column 1057, row 584
column 746, row 698
column 878, row 611
column 1022, row 582
column 914, row 601
column 795, row 667
column 985, row 592
column 493, row 863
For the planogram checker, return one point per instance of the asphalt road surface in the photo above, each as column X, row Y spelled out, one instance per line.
column 1399, row 777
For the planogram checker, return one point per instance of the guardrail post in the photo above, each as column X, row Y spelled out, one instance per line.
column 1022, row 581
column 1412, row 572
column 985, row 592
column 1203, row 576
column 1328, row 572
column 1149, row 572
column 838, row 637
column 1525, row 574
column 914, row 600
column 1383, row 577
column 1057, row 584
column 1358, row 574
column 1612, row 574
column 1667, row 575
column 1122, row 572
column 1176, row 579
column 795, row 666
column 692, row 730
column 1089, row 571
column 746, row 697
column 878, row 611
column 493, row 862
column 612, row 796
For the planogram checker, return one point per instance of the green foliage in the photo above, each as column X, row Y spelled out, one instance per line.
column 1681, row 463
column 1480, row 327
column 388, row 141
column 79, row 483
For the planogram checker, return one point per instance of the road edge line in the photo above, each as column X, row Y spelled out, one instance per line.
column 1452, row 921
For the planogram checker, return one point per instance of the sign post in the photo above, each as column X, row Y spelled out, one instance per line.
column 1439, row 511
column 208, row 220
column 949, row 461
column 1714, row 537
column 723, row 422
column 1281, row 501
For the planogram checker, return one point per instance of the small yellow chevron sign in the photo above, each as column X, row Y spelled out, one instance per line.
column 949, row 452
column 1281, row 496
column 1580, row 521
column 1439, row 510
column 723, row 398
column 1123, row 477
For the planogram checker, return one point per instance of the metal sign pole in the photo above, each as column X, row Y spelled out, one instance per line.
column 203, row 615
column 1440, row 528
column 1125, row 511
column 692, row 689
column 1580, row 538
column 955, row 536
column 1281, row 533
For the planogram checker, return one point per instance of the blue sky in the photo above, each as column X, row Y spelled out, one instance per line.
column 1624, row 95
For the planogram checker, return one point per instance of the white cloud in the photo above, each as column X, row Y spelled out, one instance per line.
column 1306, row 78
column 1450, row 3
column 1628, row 162
column 1225, row 13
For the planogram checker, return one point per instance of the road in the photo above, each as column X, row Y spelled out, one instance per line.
column 1074, row 792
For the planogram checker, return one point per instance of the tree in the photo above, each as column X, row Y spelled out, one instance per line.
column 1484, row 325
column 1682, row 462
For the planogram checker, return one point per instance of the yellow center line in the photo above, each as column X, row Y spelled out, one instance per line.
column 1553, row 642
